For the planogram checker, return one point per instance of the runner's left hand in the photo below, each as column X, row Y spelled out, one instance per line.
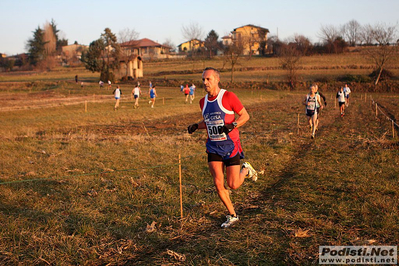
column 227, row 128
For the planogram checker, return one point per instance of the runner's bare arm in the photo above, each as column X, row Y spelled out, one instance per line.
column 243, row 117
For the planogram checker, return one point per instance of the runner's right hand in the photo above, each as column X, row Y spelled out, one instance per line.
column 192, row 128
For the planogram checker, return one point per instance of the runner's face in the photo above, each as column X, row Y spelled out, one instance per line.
column 312, row 89
column 210, row 81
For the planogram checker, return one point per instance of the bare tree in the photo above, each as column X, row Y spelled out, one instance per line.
column 232, row 53
column 366, row 34
column 127, row 35
column 329, row 34
column 351, row 32
column 303, row 44
column 289, row 57
column 192, row 31
column 168, row 42
column 49, row 39
column 384, row 53
column 128, row 42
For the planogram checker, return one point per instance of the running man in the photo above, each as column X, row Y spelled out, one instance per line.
column 191, row 93
column 186, row 91
column 310, row 102
column 117, row 94
column 347, row 91
column 341, row 101
column 223, row 144
column 153, row 94
column 136, row 94
column 318, row 105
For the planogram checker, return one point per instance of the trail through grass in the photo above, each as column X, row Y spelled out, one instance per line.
column 111, row 190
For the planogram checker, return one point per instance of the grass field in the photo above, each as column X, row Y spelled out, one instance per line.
column 102, row 187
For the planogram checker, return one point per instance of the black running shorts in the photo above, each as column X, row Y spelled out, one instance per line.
column 213, row 157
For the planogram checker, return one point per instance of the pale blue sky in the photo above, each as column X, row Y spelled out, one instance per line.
column 84, row 21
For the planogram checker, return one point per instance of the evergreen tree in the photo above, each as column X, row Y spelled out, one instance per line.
column 59, row 42
column 211, row 43
column 93, row 58
column 103, row 55
column 36, row 47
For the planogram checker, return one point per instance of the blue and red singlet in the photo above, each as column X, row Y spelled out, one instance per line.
column 218, row 111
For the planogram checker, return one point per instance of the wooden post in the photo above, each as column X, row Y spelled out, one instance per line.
column 85, row 106
column 298, row 123
column 181, row 191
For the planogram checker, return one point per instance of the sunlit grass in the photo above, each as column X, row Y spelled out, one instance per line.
column 102, row 187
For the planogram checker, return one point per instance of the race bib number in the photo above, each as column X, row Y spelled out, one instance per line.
column 311, row 105
column 215, row 130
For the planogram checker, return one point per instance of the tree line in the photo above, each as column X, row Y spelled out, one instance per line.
column 105, row 53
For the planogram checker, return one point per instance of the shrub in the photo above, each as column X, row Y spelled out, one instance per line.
column 385, row 74
column 349, row 78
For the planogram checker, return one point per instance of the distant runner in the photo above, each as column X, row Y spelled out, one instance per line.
column 117, row 94
column 347, row 91
column 318, row 105
column 186, row 91
column 191, row 93
column 310, row 102
column 341, row 101
column 153, row 94
column 136, row 94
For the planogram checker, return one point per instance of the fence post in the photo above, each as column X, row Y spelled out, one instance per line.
column 181, row 191
column 298, row 123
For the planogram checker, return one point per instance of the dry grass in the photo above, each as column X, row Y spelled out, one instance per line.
column 101, row 188
column 108, row 204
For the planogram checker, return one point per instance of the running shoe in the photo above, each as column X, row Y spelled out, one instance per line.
column 251, row 171
column 312, row 137
column 230, row 221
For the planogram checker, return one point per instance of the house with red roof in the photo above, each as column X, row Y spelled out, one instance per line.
column 146, row 49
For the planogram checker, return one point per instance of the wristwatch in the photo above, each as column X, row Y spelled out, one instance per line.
column 234, row 124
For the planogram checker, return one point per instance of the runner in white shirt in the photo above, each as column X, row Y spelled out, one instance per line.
column 136, row 94
column 117, row 94
column 311, row 101
column 341, row 100
column 347, row 91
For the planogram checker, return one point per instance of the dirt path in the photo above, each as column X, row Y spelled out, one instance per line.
column 13, row 102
